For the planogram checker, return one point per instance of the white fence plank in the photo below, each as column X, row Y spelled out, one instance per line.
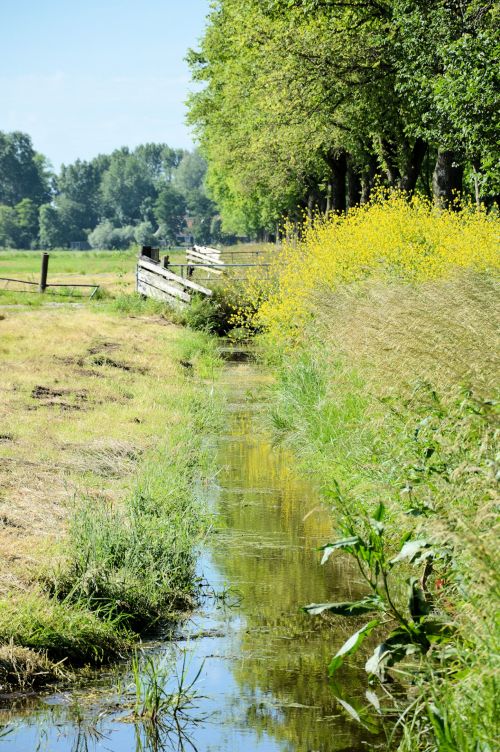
column 186, row 284
column 162, row 285
column 154, row 292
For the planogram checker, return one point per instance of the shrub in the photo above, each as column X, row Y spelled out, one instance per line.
column 390, row 238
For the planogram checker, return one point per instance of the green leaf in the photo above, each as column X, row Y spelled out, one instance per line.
column 349, row 709
column 397, row 646
column 352, row 645
column 411, row 550
column 329, row 548
column 375, row 664
column 373, row 700
column 346, row 608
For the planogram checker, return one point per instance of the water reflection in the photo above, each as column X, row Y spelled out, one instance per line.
column 263, row 684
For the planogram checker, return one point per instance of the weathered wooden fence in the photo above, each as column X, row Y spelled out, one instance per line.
column 208, row 259
column 157, row 279
column 42, row 285
column 154, row 280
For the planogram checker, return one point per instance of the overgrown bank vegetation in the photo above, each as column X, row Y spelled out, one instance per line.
column 382, row 328
column 103, row 453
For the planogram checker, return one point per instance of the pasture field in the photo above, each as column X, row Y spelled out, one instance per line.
column 113, row 271
column 102, row 418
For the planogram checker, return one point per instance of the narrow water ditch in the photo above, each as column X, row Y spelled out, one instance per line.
column 262, row 683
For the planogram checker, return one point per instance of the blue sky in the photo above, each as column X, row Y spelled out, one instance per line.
column 84, row 77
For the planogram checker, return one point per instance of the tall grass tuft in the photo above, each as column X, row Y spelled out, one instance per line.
column 135, row 560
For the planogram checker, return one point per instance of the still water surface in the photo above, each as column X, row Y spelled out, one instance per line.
column 263, row 685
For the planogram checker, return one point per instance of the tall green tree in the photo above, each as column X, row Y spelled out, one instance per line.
column 189, row 179
column 308, row 102
column 170, row 211
column 23, row 172
column 127, row 188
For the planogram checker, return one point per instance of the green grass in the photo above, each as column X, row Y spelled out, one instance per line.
column 391, row 396
column 101, row 519
column 61, row 630
column 136, row 561
column 113, row 271
column 26, row 264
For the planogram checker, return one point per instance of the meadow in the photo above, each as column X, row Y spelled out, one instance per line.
column 113, row 271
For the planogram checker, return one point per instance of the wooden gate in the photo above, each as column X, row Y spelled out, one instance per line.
column 155, row 281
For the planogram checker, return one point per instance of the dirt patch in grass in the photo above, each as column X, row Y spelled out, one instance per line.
column 103, row 346
column 105, row 360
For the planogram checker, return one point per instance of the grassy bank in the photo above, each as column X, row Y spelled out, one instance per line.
column 102, row 457
column 383, row 332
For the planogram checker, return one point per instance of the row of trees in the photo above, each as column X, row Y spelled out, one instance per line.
column 311, row 103
column 147, row 195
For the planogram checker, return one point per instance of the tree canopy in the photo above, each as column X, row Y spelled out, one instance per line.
column 143, row 195
column 307, row 103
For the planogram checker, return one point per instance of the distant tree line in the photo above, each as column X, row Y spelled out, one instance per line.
column 150, row 195
column 308, row 104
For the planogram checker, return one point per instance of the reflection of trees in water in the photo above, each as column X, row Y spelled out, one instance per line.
column 269, row 555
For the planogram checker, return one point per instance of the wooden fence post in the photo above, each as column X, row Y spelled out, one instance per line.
column 43, row 273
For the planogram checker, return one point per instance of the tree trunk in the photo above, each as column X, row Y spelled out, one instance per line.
column 389, row 155
column 447, row 180
column 476, row 170
column 368, row 179
column 337, row 185
column 413, row 167
column 353, row 185
column 310, row 205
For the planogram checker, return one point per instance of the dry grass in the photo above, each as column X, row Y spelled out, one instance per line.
column 25, row 668
column 445, row 332
column 84, row 396
column 78, row 407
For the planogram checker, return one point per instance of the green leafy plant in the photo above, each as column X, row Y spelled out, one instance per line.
column 155, row 702
column 415, row 625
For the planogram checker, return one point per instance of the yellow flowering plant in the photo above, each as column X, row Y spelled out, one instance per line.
column 391, row 237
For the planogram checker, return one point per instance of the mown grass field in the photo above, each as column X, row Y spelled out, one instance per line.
column 102, row 419
column 113, row 271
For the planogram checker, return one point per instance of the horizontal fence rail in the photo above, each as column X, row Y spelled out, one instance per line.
column 94, row 288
